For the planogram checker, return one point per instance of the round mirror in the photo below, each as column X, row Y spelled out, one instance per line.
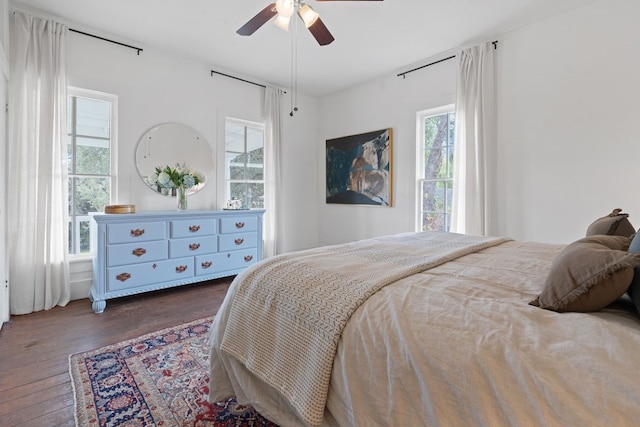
column 173, row 145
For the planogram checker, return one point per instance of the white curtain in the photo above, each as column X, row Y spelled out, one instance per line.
column 475, row 139
column 37, row 167
column 273, row 183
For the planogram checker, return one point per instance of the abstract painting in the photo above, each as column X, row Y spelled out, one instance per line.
column 359, row 168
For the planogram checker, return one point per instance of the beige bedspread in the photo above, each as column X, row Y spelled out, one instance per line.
column 288, row 314
column 458, row 345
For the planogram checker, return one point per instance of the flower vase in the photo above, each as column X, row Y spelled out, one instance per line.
column 181, row 195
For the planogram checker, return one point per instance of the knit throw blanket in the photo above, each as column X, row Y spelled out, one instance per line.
column 289, row 311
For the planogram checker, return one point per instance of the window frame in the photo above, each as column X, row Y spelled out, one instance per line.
column 227, row 180
column 77, row 92
column 421, row 116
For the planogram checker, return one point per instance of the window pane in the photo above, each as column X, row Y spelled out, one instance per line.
column 93, row 117
column 256, row 195
column 448, row 153
column 238, row 190
column 435, row 222
column 444, row 171
column 430, row 131
column 234, row 137
column 255, row 139
column 70, row 163
column 255, row 165
column 447, row 193
column 92, row 156
column 254, row 172
column 79, row 241
column 237, row 171
column 91, row 194
column 69, row 114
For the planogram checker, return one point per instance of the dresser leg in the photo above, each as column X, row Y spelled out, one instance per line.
column 99, row 305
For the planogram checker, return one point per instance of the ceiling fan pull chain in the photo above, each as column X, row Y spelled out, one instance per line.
column 294, row 68
column 295, row 74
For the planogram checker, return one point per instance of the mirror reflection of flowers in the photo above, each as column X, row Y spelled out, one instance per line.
column 180, row 176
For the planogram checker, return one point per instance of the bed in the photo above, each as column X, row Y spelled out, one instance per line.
column 433, row 329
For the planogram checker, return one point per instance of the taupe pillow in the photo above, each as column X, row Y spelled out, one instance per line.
column 634, row 288
column 588, row 274
column 614, row 224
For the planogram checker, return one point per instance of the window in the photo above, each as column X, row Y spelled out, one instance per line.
column 90, row 156
column 435, row 184
column 244, row 162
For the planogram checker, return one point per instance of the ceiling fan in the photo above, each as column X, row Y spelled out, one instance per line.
column 285, row 10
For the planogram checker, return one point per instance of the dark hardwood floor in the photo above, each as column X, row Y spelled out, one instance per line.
column 35, row 388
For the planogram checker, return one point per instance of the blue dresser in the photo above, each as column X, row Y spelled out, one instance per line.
column 141, row 252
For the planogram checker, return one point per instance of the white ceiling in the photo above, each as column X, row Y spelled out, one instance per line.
column 371, row 38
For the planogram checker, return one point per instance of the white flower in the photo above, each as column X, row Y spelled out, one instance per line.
column 152, row 179
column 164, row 179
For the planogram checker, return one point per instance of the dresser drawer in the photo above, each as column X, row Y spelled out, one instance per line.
column 136, row 232
column 192, row 246
column 238, row 224
column 133, row 253
column 193, row 227
column 236, row 241
column 232, row 260
column 131, row 276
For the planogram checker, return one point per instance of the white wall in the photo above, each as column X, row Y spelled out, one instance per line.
column 568, row 114
column 386, row 102
column 567, row 134
column 158, row 87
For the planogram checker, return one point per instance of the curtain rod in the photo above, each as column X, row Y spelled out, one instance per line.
column 238, row 78
column 107, row 40
column 404, row 74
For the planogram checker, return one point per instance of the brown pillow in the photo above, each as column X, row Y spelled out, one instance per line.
column 614, row 224
column 588, row 275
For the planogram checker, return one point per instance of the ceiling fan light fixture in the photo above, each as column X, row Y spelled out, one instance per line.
column 285, row 8
column 308, row 15
column 282, row 22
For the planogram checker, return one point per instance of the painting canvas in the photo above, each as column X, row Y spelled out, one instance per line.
column 359, row 168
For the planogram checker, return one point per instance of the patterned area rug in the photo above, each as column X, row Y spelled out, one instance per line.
column 158, row 379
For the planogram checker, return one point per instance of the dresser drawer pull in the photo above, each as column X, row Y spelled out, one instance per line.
column 194, row 228
column 239, row 224
column 123, row 277
column 207, row 264
column 194, row 246
column 137, row 232
column 239, row 241
column 248, row 258
column 181, row 269
column 139, row 252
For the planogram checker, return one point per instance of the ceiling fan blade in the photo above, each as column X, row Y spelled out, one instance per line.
column 258, row 21
column 321, row 33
